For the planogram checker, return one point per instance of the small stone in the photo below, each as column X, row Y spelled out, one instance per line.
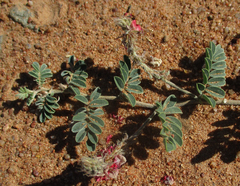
column 35, row 173
column 35, row 148
column 3, row 17
column 231, row 92
column 2, row 143
column 29, row 3
column 202, row 175
column 26, row 59
column 67, row 157
column 226, row 30
column 17, row 126
column 237, row 15
column 213, row 164
column 28, row 46
column 12, row 169
column 33, row 124
column 38, row 46
column 165, row 39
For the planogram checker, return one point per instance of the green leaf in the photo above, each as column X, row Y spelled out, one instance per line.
column 79, row 116
column 71, row 61
column 215, row 91
column 131, row 99
column 205, row 75
column 163, row 132
column 212, row 46
column 65, row 72
column 48, row 109
column 218, row 73
column 96, row 112
column 80, row 135
column 127, row 60
column 173, row 110
column 209, row 53
column 170, row 101
column 23, row 93
column 50, row 99
column 81, row 99
column 75, row 90
column 134, row 81
column 98, row 103
column 81, row 110
column 42, row 117
column 208, row 63
column 219, row 65
column 174, row 120
column 79, row 126
column 134, row 73
column 209, row 100
column 92, row 137
column 173, row 127
column 78, row 83
column 97, row 120
column 95, row 94
column 177, row 138
column 162, row 116
column 94, row 128
column 124, row 75
column 40, row 73
column 124, row 66
column 134, row 89
column 200, row 88
column 218, row 54
column 217, row 81
column 30, row 98
column 169, row 144
column 119, row 82
column 90, row 145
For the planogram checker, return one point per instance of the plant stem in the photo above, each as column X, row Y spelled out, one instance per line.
column 152, row 106
column 130, row 140
column 180, row 89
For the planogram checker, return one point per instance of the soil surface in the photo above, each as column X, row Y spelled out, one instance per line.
column 177, row 32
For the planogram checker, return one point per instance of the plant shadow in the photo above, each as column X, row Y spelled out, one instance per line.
column 146, row 140
column 70, row 176
column 62, row 137
column 224, row 140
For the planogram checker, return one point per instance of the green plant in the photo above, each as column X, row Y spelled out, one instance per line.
column 213, row 74
column 86, row 120
column 129, row 83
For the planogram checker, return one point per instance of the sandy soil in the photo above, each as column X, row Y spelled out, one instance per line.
column 177, row 32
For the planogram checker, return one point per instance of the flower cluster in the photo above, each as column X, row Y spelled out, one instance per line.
column 118, row 119
column 168, row 180
column 107, row 163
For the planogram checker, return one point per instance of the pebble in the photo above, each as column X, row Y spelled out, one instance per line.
column 165, row 39
column 212, row 164
column 33, row 124
column 35, row 148
column 12, row 169
column 67, row 157
column 21, row 14
column 237, row 15
column 29, row 3
column 26, row 59
column 35, row 173
column 231, row 92
column 38, row 46
column 28, row 46
column 2, row 143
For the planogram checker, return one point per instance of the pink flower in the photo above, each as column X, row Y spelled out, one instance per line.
column 109, row 138
column 135, row 26
column 168, row 180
